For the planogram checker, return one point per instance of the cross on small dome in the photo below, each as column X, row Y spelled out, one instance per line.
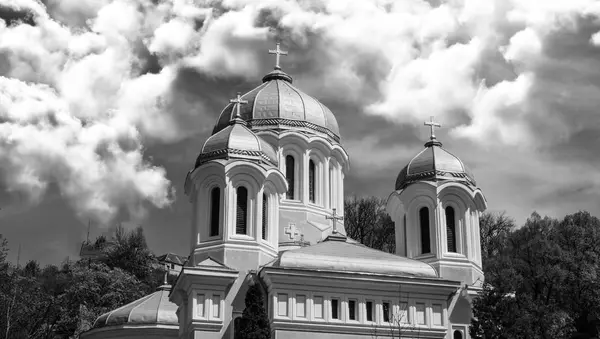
column 432, row 139
column 238, row 102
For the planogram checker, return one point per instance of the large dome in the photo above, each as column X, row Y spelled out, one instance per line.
column 277, row 105
column 434, row 164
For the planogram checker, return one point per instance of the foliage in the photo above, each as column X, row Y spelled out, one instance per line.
column 130, row 253
column 60, row 302
column 367, row 222
column 541, row 280
column 254, row 323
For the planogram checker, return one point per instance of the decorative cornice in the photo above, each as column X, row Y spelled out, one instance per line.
column 226, row 153
column 435, row 174
column 293, row 123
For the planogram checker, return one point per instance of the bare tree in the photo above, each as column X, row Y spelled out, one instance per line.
column 399, row 325
column 367, row 222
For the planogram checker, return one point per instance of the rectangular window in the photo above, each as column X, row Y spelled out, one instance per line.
column 437, row 315
column 369, row 305
column 282, row 302
column 352, row 310
column 420, row 310
column 386, row 311
column 216, row 306
column 335, row 308
column 301, row 306
column 318, row 306
column 200, row 302
column 403, row 313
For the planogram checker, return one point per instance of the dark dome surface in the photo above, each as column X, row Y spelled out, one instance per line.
column 434, row 163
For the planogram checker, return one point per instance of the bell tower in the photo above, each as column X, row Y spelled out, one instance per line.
column 235, row 188
column 436, row 207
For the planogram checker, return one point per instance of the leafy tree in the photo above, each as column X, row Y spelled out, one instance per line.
column 130, row 252
column 542, row 283
column 254, row 323
column 367, row 222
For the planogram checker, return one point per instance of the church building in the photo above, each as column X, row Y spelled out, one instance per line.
column 267, row 190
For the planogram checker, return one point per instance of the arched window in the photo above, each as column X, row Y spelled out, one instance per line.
column 311, row 181
column 289, row 175
column 265, row 217
column 451, row 229
column 215, row 207
column 424, row 224
column 241, row 218
column 458, row 334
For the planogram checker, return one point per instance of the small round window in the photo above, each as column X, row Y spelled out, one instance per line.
column 458, row 334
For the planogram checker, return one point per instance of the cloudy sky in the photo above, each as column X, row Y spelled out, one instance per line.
column 104, row 104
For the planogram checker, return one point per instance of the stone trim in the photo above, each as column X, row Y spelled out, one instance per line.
column 225, row 153
column 293, row 123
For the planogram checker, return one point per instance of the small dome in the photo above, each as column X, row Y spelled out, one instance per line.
column 276, row 104
column 153, row 309
column 236, row 141
column 434, row 163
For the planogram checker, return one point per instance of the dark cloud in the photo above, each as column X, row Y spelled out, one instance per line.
column 14, row 17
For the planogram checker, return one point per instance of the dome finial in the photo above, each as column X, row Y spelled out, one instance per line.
column 278, row 52
column 237, row 118
column 432, row 139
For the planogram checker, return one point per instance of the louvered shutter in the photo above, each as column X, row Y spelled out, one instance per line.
column 450, row 229
column 289, row 175
column 241, row 211
column 265, row 217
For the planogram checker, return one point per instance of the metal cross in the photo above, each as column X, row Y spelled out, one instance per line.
column 239, row 102
column 277, row 53
column 335, row 218
column 292, row 231
column 432, row 125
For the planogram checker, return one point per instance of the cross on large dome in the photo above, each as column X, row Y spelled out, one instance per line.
column 277, row 105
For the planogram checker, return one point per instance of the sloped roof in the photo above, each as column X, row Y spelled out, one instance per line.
column 344, row 256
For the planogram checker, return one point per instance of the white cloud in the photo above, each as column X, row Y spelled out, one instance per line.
column 404, row 60
column 98, row 166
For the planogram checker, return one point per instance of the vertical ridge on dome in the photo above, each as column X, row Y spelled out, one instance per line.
column 292, row 88
column 152, row 296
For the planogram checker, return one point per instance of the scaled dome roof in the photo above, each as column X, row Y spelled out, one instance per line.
column 237, row 141
column 153, row 309
column 276, row 104
column 432, row 164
